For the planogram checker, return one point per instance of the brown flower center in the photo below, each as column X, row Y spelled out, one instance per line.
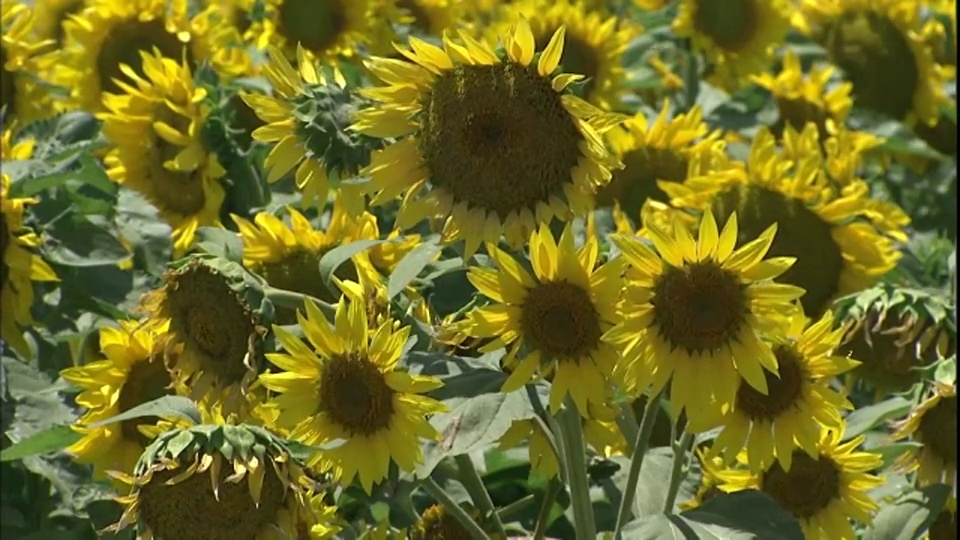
column 578, row 57
column 498, row 137
column 560, row 320
column 179, row 192
column 124, row 43
column 938, row 430
column 637, row 181
column 314, row 24
column 783, row 393
column 731, row 24
column 355, row 395
column 147, row 380
column 809, row 487
column 421, row 20
column 300, row 272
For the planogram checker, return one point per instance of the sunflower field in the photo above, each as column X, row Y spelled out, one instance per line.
column 478, row 269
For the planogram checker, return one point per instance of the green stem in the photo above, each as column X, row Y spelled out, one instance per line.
column 550, row 495
column 434, row 489
column 571, row 430
column 627, row 422
column 516, row 506
column 691, row 77
column 478, row 492
column 636, row 462
column 295, row 300
column 678, row 473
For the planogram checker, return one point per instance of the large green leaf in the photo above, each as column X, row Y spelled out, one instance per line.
column 866, row 418
column 220, row 242
column 332, row 259
column 910, row 516
column 411, row 265
column 47, row 441
column 166, row 406
column 79, row 242
column 653, row 483
column 462, row 377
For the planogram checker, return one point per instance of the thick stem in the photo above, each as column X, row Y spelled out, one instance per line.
column 553, row 488
column 295, row 300
column 516, row 506
column 678, row 474
column 437, row 492
column 478, row 492
column 571, row 429
column 636, row 462
column 627, row 423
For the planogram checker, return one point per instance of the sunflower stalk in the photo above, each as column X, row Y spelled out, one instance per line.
column 571, row 433
column 636, row 461
column 550, row 495
column 295, row 300
column 678, row 472
column 471, row 480
column 444, row 498
column 516, row 507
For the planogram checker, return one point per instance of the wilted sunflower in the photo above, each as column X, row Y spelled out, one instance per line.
column 798, row 401
column 551, row 322
column 156, row 127
column 737, row 37
column 491, row 145
column 131, row 373
column 108, row 34
column 865, row 37
column 669, row 149
column 697, row 311
column 50, row 16
column 433, row 17
column 801, row 99
column 253, row 489
column 20, row 266
column 289, row 257
column 823, row 491
column 295, row 144
column 934, row 424
column 213, row 340
column 842, row 239
column 349, row 387
column 593, row 45
column 22, row 98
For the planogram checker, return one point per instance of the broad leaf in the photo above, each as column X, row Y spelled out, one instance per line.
column 166, row 406
column 47, row 441
column 910, row 516
column 411, row 265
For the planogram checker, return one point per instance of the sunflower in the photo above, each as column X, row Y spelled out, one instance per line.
column 797, row 402
column 552, row 321
column 23, row 98
column 349, row 387
column 108, row 34
column 157, row 129
column 934, row 424
column 803, row 99
column 711, row 466
column 737, row 37
column 20, row 266
column 252, row 490
column 131, row 373
column 594, row 43
column 823, row 491
column 295, row 144
column 51, row 16
column 668, row 149
column 16, row 149
column 697, row 310
column 433, row 17
column 438, row 523
column 327, row 29
column 474, row 126
column 865, row 37
column 843, row 239
column 387, row 255
column 213, row 340
column 289, row 258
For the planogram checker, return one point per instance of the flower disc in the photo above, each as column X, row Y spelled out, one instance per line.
column 809, row 487
column 934, row 424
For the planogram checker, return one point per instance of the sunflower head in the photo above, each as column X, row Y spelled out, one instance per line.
column 470, row 131
column 215, row 482
column 433, row 17
column 22, row 58
column 934, row 425
column 864, row 38
column 892, row 334
column 214, row 310
column 51, row 16
column 709, row 480
column 436, row 523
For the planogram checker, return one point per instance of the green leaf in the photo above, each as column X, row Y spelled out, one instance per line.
column 890, row 452
column 47, row 441
column 220, row 242
column 411, row 265
column 946, row 372
column 462, row 377
column 332, row 259
column 166, row 406
column 745, row 515
column 653, row 483
column 79, row 242
column 864, row 419
column 910, row 516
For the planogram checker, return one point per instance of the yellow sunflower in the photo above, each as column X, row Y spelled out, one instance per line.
column 108, row 34
column 213, row 338
column 11, row 150
column 349, row 387
column 288, row 257
column 669, row 149
column 131, row 373
column 22, row 98
column 437, row 522
column 710, row 466
column 551, row 321
column 491, row 145
column 215, row 482
column 698, row 311
column 865, row 37
column 737, row 37
column 291, row 143
column 823, row 491
column 52, row 14
column 843, row 239
column 387, row 255
column 433, row 17
column 801, row 99
column 20, row 266
column 798, row 401
column 593, row 44
column 934, row 424
column 156, row 127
